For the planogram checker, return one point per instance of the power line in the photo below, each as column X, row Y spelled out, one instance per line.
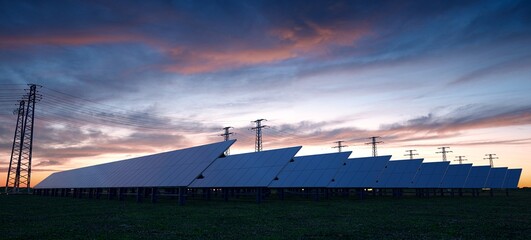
column 444, row 151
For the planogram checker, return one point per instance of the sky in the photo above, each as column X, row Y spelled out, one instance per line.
column 129, row 78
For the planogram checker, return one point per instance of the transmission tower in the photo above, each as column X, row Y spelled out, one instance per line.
column 460, row 159
column 411, row 153
column 491, row 157
column 340, row 145
column 444, row 151
column 19, row 172
column 373, row 142
column 226, row 135
column 258, row 130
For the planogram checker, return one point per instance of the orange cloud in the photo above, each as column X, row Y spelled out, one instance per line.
column 290, row 44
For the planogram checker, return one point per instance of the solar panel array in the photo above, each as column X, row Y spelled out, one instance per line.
column 496, row 178
column 398, row 174
column 477, row 177
column 456, row 176
column 310, row 171
column 512, row 178
column 430, row 175
column 207, row 167
column 245, row 170
column 360, row 172
column 175, row 168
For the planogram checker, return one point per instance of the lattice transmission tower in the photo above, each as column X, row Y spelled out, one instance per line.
column 19, row 172
column 226, row 136
column 258, row 130
column 491, row 157
column 444, row 151
column 373, row 142
column 340, row 145
column 411, row 153
column 460, row 159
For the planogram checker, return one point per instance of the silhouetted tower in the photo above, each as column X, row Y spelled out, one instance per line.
column 373, row 142
column 226, row 135
column 411, row 153
column 444, row 151
column 491, row 157
column 258, row 130
column 19, row 172
column 460, row 159
column 340, row 145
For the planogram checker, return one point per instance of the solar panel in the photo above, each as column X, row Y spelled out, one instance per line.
column 477, row 177
column 398, row 173
column 496, row 178
column 310, row 171
column 456, row 176
column 360, row 172
column 512, row 178
column 255, row 169
column 430, row 175
column 174, row 168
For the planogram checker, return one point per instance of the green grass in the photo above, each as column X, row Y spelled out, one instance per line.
column 484, row 217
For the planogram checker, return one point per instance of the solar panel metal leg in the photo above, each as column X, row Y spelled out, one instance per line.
column 138, row 194
column 361, row 192
column 182, row 196
column 225, row 193
column 98, row 193
column 280, row 193
column 492, row 192
column 120, row 194
column 258, row 195
column 442, row 192
column 154, row 194
column 460, row 192
column 110, row 193
column 316, row 195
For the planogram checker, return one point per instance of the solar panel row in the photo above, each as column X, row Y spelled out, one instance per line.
column 206, row 167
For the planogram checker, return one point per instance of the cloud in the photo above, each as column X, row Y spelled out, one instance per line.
column 45, row 163
column 497, row 69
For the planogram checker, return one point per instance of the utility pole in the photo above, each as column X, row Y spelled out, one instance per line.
column 491, row 157
column 373, row 142
column 444, row 151
column 19, row 172
column 340, row 145
column 226, row 136
column 258, row 130
column 460, row 159
column 410, row 153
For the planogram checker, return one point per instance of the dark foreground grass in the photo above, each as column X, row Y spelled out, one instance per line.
column 499, row 217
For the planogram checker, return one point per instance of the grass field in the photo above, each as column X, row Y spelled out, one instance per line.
column 484, row 217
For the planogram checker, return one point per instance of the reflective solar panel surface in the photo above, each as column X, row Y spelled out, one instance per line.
column 174, row 168
column 255, row 169
column 360, row 172
column 512, row 178
column 398, row 173
column 477, row 177
column 456, row 176
column 430, row 175
column 310, row 171
column 496, row 178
